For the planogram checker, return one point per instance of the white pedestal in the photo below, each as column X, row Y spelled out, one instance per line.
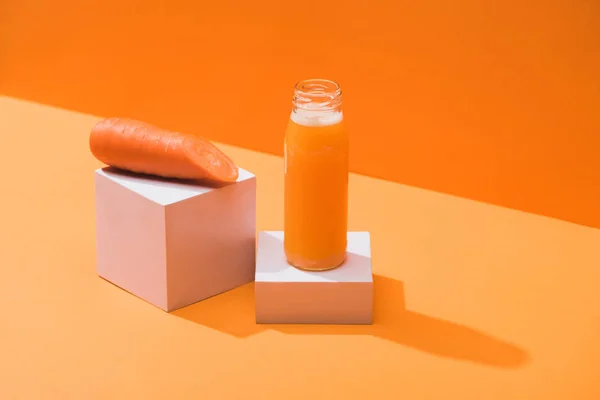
column 173, row 243
column 287, row 295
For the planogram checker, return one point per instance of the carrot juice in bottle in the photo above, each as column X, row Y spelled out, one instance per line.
column 316, row 178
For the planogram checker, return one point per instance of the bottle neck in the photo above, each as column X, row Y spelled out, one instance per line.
column 317, row 96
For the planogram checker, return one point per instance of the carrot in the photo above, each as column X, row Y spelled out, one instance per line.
column 143, row 148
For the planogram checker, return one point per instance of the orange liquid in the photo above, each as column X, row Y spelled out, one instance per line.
column 316, row 191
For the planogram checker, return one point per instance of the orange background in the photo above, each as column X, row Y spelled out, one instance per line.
column 494, row 101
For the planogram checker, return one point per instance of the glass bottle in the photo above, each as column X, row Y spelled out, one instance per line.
column 316, row 178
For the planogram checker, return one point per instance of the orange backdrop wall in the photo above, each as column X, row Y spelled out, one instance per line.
column 494, row 101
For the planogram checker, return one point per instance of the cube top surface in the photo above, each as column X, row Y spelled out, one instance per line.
column 159, row 190
column 271, row 265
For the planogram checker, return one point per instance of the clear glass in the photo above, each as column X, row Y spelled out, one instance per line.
column 316, row 178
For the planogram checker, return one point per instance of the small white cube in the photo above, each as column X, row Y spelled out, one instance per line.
column 287, row 295
column 174, row 243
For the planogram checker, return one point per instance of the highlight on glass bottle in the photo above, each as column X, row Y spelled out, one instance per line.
column 316, row 177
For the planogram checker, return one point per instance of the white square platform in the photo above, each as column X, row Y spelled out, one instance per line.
column 174, row 243
column 287, row 295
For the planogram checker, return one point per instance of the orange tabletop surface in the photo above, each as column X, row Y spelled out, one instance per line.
column 472, row 301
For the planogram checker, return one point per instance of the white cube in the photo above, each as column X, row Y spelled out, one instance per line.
column 173, row 243
column 287, row 295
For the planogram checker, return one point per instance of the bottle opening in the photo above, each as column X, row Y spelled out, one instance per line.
column 317, row 95
column 317, row 102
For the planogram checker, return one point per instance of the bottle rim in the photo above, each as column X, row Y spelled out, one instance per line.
column 317, row 94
